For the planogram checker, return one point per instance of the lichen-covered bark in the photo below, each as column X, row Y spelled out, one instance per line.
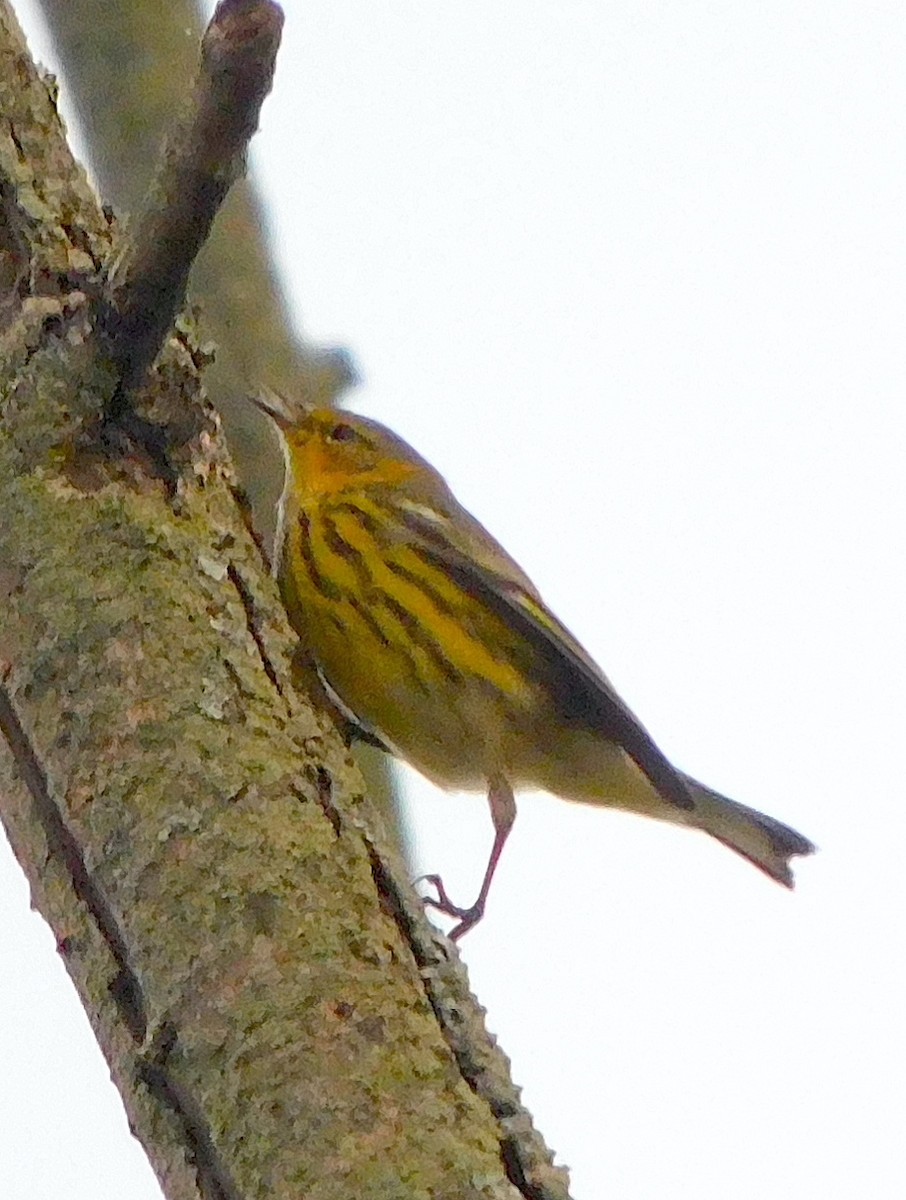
column 275, row 1011
column 236, row 956
column 241, row 309
column 124, row 114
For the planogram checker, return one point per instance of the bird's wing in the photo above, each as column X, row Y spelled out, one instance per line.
column 462, row 547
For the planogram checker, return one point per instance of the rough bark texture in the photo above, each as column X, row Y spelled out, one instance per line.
column 277, row 1014
column 241, row 310
column 124, row 113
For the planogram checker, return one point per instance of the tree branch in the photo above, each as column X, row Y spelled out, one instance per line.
column 234, row 288
column 291, row 1025
column 202, row 160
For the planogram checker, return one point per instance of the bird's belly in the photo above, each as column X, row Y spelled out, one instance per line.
column 451, row 725
column 461, row 728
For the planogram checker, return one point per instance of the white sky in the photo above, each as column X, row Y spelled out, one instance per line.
column 631, row 275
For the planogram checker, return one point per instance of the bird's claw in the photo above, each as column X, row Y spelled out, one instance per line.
column 467, row 917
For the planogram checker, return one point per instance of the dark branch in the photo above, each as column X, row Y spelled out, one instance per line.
column 202, row 160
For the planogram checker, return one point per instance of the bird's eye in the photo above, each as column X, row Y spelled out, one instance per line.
column 342, row 433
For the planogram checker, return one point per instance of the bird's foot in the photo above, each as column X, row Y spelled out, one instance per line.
column 467, row 917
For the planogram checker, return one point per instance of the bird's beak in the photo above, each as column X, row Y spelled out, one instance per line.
column 284, row 413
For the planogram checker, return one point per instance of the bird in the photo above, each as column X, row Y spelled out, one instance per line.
column 419, row 631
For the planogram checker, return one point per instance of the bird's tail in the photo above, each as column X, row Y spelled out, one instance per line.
column 767, row 843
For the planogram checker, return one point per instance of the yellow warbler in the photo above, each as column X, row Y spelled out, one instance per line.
column 422, row 630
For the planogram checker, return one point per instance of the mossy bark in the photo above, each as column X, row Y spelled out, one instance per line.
column 276, row 1012
column 124, row 114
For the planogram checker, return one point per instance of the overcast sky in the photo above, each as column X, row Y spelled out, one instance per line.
column 631, row 275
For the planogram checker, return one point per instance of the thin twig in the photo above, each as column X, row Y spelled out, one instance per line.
column 202, row 160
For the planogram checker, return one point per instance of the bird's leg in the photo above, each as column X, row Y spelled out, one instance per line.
column 503, row 814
